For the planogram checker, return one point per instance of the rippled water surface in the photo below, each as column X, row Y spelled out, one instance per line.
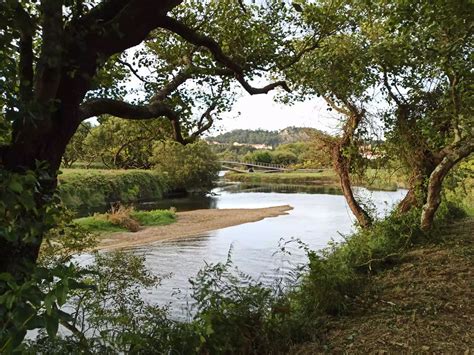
column 318, row 216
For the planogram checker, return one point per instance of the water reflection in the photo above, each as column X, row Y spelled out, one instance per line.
column 316, row 219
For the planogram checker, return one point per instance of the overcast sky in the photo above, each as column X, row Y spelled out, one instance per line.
column 260, row 111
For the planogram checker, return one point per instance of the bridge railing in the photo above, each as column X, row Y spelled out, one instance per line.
column 255, row 164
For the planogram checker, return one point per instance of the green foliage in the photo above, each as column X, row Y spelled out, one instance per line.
column 32, row 297
column 35, row 303
column 123, row 144
column 191, row 166
column 77, row 149
column 102, row 223
column 98, row 225
column 246, row 136
column 459, row 186
column 300, row 147
column 260, row 136
column 154, row 217
column 284, row 157
column 22, row 219
column 259, row 156
column 84, row 189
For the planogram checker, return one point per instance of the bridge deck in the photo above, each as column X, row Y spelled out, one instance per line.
column 265, row 166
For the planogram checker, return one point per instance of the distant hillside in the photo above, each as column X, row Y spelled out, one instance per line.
column 261, row 136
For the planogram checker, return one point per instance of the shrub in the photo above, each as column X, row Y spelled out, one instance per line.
column 85, row 189
column 191, row 166
column 125, row 218
column 122, row 216
column 284, row 157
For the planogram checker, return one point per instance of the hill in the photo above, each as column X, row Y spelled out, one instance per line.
column 270, row 138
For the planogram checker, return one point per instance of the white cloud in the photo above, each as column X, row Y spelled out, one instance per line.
column 261, row 111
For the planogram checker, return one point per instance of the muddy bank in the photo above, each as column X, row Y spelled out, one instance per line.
column 189, row 224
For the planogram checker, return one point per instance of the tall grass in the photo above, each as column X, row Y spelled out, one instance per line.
column 123, row 218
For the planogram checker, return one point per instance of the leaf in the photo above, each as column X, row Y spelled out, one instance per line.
column 52, row 324
column 5, row 276
column 61, row 293
column 48, row 302
column 15, row 186
column 35, row 323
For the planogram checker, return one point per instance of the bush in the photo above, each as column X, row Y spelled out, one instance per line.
column 284, row 157
column 125, row 219
column 191, row 166
column 85, row 189
column 259, row 156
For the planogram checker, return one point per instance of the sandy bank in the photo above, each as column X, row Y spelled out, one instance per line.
column 189, row 224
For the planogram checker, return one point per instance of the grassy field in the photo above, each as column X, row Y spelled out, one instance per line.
column 109, row 223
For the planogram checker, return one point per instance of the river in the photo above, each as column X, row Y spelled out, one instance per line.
column 317, row 218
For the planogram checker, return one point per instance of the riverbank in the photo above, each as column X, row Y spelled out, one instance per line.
column 374, row 179
column 190, row 224
column 421, row 305
column 93, row 190
column 322, row 178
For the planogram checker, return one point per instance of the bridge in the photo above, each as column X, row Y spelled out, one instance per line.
column 250, row 166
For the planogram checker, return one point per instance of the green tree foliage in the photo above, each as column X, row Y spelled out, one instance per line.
column 284, row 157
column 259, row 156
column 247, row 136
column 124, row 144
column 406, row 65
column 270, row 138
column 193, row 165
column 63, row 62
column 77, row 149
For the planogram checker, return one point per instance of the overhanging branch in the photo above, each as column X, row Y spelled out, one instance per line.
column 201, row 40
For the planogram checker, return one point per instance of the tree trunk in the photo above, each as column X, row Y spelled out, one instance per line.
column 435, row 183
column 342, row 167
column 46, row 143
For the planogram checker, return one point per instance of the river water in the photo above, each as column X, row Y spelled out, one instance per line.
column 318, row 216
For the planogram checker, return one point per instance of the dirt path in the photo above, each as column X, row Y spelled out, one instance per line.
column 189, row 224
column 425, row 305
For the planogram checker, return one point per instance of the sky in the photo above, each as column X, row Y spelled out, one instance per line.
column 261, row 111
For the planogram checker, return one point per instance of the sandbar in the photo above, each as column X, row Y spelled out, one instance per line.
column 190, row 224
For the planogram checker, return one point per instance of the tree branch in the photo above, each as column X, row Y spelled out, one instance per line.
column 49, row 67
column 387, row 85
column 97, row 107
column 197, row 39
column 133, row 70
column 27, row 28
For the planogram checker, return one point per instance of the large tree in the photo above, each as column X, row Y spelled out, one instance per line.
column 407, row 65
column 57, row 69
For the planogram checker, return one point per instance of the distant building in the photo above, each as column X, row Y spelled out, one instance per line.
column 368, row 152
column 256, row 146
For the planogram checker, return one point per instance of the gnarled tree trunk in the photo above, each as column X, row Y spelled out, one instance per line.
column 342, row 166
column 452, row 156
column 70, row 56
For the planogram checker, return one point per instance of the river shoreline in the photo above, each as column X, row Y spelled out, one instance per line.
column 190, row 224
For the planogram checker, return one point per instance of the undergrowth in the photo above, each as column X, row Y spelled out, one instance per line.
column 233, row 313
column 122, row 218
